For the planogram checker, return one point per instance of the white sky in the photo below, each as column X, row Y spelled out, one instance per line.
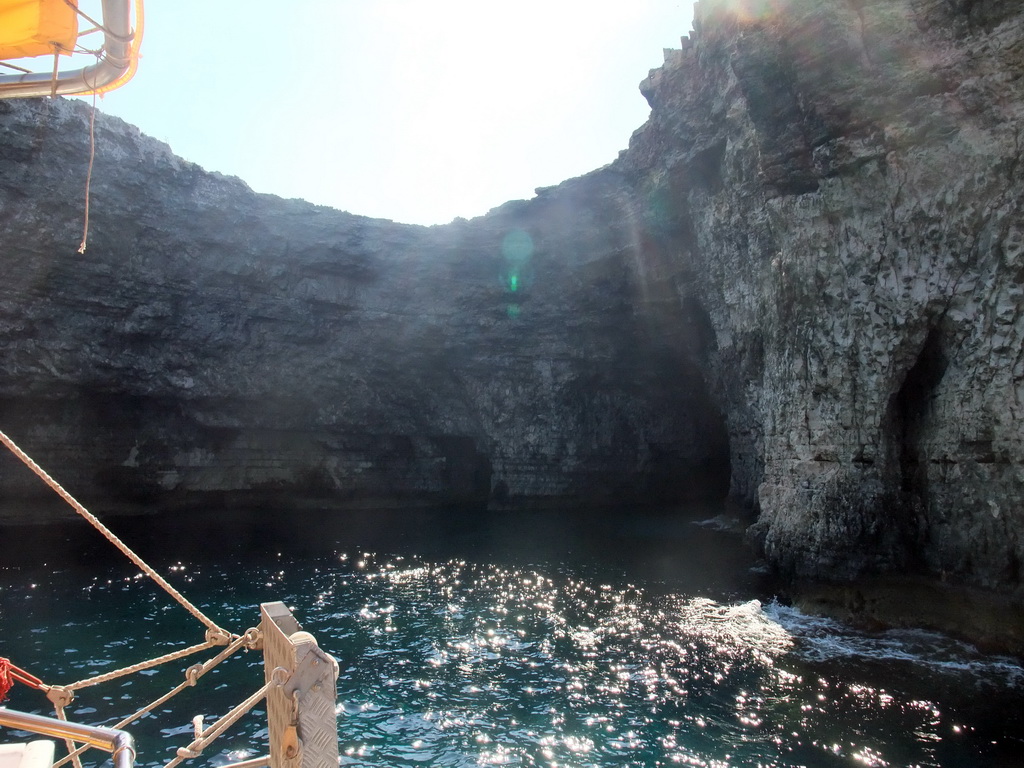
column 412, row 110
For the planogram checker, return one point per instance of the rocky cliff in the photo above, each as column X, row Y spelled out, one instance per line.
column 802, row 282
column 842, row 183
column 216, row 347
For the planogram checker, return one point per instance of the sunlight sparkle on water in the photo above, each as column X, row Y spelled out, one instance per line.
column 569, row 663
column 459, row 664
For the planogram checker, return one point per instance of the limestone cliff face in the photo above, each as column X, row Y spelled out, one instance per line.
column 842, row 180
column 214, row 346
column 804, row 274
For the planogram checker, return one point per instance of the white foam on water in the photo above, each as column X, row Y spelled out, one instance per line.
column 736, row 626
column 817, row 638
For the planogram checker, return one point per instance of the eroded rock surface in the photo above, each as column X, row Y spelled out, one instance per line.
column 803, row 280
column 217, row 347
column 843, row 182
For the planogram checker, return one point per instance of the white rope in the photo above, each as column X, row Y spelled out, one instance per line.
column 210, row 734
column 109, row 535
column 88, row 175
column 256, row 762
column 214, row 636
column 68, row 742
column 148, row 664
column 192, row 675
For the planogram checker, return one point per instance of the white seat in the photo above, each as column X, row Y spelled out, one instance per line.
column 33, row 754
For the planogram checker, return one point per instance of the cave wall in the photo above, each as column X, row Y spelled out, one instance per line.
column 800, row 283
column 214, row 347
column 844, row 189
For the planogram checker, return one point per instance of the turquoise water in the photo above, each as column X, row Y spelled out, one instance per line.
column 526, row 640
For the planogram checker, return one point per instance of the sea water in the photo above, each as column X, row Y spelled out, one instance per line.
column 522, row 639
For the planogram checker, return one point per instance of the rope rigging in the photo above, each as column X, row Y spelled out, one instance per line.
column 110, row 536
column 5, row 678
column 62, row 695
column 11, row 674
column 96, row 25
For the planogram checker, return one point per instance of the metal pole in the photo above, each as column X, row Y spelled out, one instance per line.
column 119, row 743
column 115, row 61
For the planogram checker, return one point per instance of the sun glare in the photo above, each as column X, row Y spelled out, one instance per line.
column 413, row 111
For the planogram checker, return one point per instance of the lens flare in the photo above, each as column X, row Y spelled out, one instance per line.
column 516, row 251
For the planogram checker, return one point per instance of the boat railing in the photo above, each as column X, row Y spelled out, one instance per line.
column 118, row 743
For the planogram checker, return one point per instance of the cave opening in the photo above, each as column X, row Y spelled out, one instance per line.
column 910, row 412
column 714, row 472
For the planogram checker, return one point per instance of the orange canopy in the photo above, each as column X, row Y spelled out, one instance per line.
column 33, row 27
